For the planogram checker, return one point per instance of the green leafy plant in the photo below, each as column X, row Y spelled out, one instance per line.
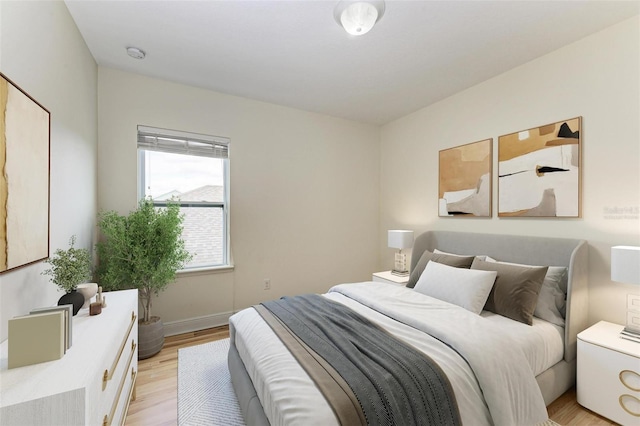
column 142, row 250
column 69, row 267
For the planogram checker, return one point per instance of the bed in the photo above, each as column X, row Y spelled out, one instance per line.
column 498, row 370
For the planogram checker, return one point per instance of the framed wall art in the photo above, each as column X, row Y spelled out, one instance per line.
column 24, row 181
column 539, row 171
column 464, row 187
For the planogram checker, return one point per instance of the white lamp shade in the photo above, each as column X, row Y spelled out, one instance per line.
column 358, row 17
column 625, row 264
column 400, row 239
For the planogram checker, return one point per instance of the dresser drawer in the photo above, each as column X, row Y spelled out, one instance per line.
column 118, row 412
column 609, row 383
column 123, row 352
column 117, row 367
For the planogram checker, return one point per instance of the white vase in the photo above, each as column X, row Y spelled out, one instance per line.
column 88, row 290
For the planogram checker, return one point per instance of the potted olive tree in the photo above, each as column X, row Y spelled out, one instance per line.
column 142, row 250
column 69, row 268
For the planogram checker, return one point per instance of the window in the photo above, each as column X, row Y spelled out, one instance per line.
column 193, row 170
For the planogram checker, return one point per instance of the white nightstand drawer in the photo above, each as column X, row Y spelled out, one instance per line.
column 388, row 277
column 608, row 379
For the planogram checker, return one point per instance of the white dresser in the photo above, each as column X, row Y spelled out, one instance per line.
column 91, row 384
column 608, row 372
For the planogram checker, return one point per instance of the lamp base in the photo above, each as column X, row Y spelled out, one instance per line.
column 400, row 264
column 400, row 273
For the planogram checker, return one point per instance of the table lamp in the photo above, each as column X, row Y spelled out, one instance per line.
column 400, row 239
column 625, row 268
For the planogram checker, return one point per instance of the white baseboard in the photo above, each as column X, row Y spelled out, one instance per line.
column 194, row 324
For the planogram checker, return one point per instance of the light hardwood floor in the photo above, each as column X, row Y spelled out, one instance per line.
column 157, row 387
column 156, row 402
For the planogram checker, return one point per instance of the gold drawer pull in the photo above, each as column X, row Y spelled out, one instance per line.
column 108, row 418
column 108, row 374
column 630, row 379
column 629, row 399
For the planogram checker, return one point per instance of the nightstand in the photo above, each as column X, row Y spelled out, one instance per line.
column 608, row 370
column 388, row 277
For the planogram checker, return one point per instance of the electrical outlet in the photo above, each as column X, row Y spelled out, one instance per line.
column 267, row 284
column 633, row 302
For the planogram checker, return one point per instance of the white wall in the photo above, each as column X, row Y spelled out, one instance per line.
column 41, row 51
column 304, row 192
column 596, row 78
column 316, row 212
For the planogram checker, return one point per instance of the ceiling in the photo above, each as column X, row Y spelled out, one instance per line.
column 294, row 53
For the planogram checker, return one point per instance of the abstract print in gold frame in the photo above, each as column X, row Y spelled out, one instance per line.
column 464, row 187
column 539, row 171
column 24, row 178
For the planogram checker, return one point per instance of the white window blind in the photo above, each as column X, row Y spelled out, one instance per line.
column 178, row 142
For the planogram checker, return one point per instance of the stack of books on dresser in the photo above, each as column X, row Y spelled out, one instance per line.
column 630, row 334
column 43, row 335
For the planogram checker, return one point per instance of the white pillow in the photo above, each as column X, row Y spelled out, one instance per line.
column 551, row 305
column 468, row 288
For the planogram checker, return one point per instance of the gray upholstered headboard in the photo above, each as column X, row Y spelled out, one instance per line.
column 531, row 251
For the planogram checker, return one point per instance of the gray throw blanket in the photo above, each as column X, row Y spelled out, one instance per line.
column 394, row 384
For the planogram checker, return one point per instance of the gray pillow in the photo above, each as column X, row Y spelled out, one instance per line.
column 445, row 259
column 552, row 300
column 515, row 293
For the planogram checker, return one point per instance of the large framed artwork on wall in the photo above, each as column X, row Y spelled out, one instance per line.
column 24, row 181
column 464, row 187
column 539, row 171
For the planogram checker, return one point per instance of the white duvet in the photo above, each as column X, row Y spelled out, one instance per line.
column 492, row 379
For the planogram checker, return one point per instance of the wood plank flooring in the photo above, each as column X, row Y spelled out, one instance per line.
column 156, row 402
column 566, row 411
column 157, row 387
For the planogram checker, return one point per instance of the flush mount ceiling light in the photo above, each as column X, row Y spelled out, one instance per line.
column 358, row 17
column 134, row 52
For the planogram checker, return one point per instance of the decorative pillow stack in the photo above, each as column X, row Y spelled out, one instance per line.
column 513, row 290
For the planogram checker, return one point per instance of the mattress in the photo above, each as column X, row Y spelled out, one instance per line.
column 289, row 396
column 541, row 342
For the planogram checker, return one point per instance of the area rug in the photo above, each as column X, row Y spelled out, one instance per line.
column 205, row 394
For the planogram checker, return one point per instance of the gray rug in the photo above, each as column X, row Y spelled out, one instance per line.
column 205, row 394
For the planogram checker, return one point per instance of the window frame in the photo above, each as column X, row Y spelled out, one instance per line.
column 227, row 262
